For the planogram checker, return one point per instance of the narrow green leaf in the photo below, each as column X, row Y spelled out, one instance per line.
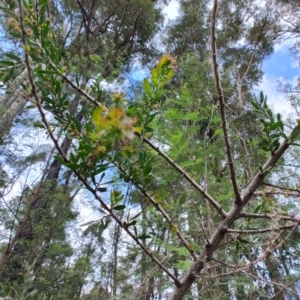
column 131, row 223
column 7, row 63
column 144, row 237
column 261, row 98
column 255, row 105
column 136, row 216
column 9, row 76
column 13, row 57
column 72, row 166
column 101, row 189
column 119, row 207
column 154, row 77
column 135, row 230
column 38, row 125
column 59, row 159
column 48, row 72
column 147, row 87
column 102, row 227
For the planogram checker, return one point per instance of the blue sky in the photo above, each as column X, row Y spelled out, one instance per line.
column 280, row 65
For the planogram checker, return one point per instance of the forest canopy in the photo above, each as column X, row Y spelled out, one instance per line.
column 182, row 183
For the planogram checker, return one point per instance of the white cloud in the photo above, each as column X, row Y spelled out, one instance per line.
column 276, row 99
column 171, row 10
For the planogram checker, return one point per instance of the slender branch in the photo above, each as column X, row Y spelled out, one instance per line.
column 212, row 201
column 104, row 205
column 276, row 193
column 259, row 278
column 283, row 288
column 266, row 253
column 164, row 214
column 222, row 104
column 79, row 176
column 270, row 229
column 232, row 215
column 267, row 216
column 72, row 84
column 282, row 187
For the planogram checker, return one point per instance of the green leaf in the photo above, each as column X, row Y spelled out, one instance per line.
column 131, row 223
column 48, row 72
column 59, row 159
column 159, row 94
column 261, row 98
column 44, row 32
column 136, row 216
column 72, row 166
column 269, row 113
column 115, row 197
column 257, row 208
column 131, row 110
column 154, row 77
column 295, row 132
column 255, row 105
column 15, row 34
column 32, row 293
column 147, row 87
column 144, row 237
column 243, row 241
column 135, row 230
column 151, row 117
column 38, row 125
column 102, row 227
column 148, row 129
column 7, row 63
column 99, row 169
column 9, row 75
column 147, row 170
column 119, row 207
column 13, row 57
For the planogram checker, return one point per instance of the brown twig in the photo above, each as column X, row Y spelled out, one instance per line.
column 266, row 216
column 222, row 104
column 211, row 200
column 263, row 230
column 164, row 214
column 266, row 253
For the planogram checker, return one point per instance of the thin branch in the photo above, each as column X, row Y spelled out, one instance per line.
column 73, row 85
column 104, row 205
column 222, row 104
column 79, row 176
column 282, row 187
column 267, row 253
column 263, row 230
column 266, row 216
column 232, row 215
column 275, row 297
column 212, row 201
column 165, row 215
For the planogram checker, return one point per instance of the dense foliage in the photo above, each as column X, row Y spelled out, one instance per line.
column 193, row 178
